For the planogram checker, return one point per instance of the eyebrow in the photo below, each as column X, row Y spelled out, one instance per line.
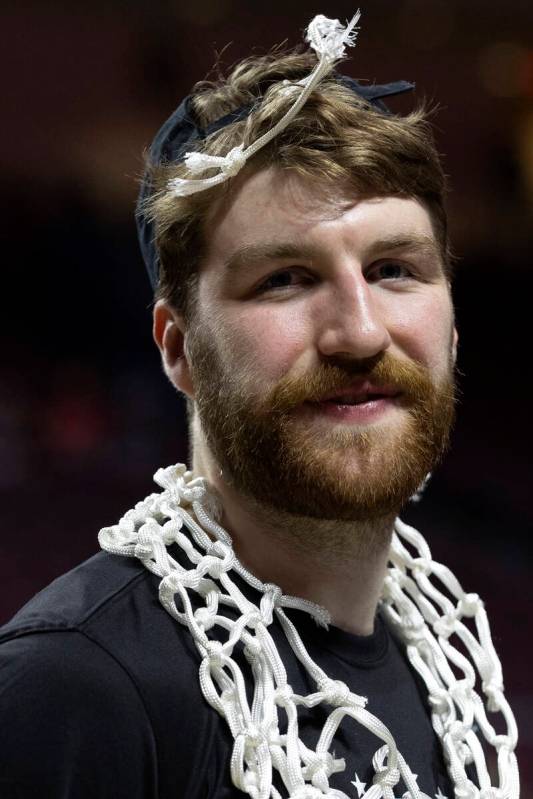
column 413, row 242
column 250, row 255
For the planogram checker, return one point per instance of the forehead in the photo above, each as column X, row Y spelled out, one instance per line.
column 272, row 205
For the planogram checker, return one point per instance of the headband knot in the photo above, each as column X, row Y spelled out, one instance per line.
column 229, row 164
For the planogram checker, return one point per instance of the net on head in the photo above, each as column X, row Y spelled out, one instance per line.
column 342, row 138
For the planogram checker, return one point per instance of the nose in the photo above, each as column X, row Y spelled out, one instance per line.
column 353, row 323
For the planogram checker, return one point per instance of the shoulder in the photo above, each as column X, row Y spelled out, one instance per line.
column 95, row 675
column 71, row 712
column 71, row 600
column 110, row 601
column 106, row 609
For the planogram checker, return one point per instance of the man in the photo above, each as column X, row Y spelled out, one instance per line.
column 301, row 267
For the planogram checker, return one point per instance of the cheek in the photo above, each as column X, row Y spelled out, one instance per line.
column 270, row 338
column 423, row 329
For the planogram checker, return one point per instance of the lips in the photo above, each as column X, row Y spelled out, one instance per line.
column 358, row 400
column 359, row 393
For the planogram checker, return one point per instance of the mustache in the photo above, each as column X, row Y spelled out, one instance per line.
column 405, row 377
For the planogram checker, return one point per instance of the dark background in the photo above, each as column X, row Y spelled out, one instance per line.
column 86, row 416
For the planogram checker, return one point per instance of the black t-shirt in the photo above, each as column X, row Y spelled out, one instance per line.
column 100, row 697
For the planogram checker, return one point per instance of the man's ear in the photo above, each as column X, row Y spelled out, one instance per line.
column 169, row 334
column 455, row 341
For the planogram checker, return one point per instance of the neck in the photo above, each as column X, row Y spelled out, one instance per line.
column 337, row 564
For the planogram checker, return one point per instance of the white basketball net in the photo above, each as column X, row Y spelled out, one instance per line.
column 328, row 38
column 425, row 618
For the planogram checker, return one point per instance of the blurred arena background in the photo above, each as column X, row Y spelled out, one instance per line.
column 85, row 414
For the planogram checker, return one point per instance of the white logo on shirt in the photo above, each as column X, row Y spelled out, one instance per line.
column 361, row 786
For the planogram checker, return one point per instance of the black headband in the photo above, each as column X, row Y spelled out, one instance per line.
column 181, row 134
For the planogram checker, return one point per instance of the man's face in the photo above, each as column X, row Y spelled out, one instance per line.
column 321, row 351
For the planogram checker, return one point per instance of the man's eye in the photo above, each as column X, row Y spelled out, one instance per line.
column 389, row 270
column 284, row 279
